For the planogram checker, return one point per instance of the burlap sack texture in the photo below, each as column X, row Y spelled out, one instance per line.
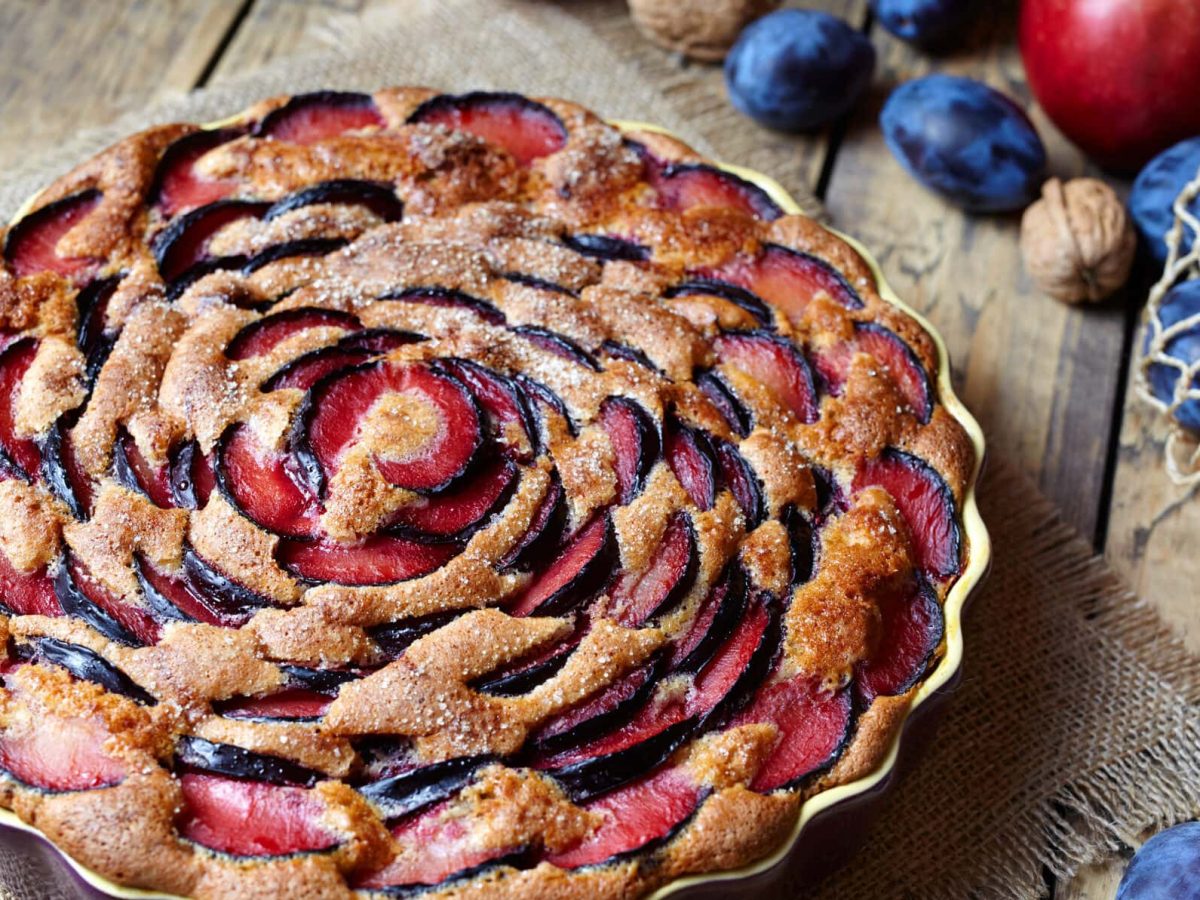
column 1076, row 724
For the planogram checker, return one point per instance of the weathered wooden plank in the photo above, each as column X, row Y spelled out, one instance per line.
column 69, row 66
column 1041, row 377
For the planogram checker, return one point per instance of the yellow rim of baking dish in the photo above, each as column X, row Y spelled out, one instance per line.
column 979, row 554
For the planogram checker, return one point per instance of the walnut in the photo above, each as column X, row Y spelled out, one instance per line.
column 1078, row 241
column 700, row 29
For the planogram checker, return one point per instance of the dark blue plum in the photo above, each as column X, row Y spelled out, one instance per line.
column 1166, row 868
column 966, row 141
column 796, row 70
column 1155, row 190
column 1181, row 302
column 926, row 23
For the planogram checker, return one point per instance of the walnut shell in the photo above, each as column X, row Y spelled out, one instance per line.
column 1077, row 240
column 699, row 29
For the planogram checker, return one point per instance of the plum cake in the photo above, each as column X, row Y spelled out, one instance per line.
column 425, row 493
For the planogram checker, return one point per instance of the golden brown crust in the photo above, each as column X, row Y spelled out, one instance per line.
column 155, row 377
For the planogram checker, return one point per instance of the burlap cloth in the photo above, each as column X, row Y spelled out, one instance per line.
column 1075, row 725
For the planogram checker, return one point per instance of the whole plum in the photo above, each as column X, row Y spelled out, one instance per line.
column 926, row 23
column 1154, row 192
column 1167, row 867
column 966, row 141
column 796, row 69
column 1180, row 303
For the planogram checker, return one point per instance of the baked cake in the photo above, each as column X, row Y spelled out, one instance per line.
column 423, row 493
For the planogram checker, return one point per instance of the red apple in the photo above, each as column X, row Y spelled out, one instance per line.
column 1119, row 77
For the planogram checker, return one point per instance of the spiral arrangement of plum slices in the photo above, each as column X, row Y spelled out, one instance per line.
column 441, row 487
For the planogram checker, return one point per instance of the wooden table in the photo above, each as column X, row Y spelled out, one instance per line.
column 1050, row 384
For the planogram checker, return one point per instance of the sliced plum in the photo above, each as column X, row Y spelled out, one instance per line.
column 375, row 560
column 173, row 598
column 401, row 795
column 263, row 485
column 31, row 245
column 639, row 597
column 605, row 246
column 316, row 246
column 635, row 442
column 355, row 349
column 528, row 130
column 738, row 296
column 252, row 818
column 581, row 570
column 61, row 471
column 500, row 399
column 19, row 456
column 134, row 471
column 449, row 298
column 460, row 511
column 61, row 755
column 27, row 593
column 308, row 118
column 617, row 350
column 237, row 762
column 716, row 618
column 898, row 359
column 541, row 284
column 88, row 665
column 334, row 408
column 732, row 410
column 293, row 704
column 831, row 500
column 377, row 196
column 741, row 479
column 92, row 335
column 788, row 279
column 220, row 591
column 925, row 501
column 911, row 629
column 542, row 536
column 635, row 819
column 543, row 401
column 804, row 544
column 776, row 363
column 814, row 727
column 81, row 596
column 558, row 344
column 183, row 244
column 683, row 186
column 396, row 637
column 692, row 459
column 611, row 708
column 192, row 478
column 178, row 187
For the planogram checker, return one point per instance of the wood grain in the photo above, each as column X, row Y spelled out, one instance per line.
column 69, row 65
column 1041, row 377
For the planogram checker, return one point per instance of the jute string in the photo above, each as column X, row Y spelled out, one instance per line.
column 1075, row 725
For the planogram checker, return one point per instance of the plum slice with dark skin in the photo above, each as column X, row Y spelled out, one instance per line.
column 19, row 456
column 639, row 597
column 183, row 244
column 527, row 673
column 61, row 755
column 199, row 754
column 543, row 533
column 82, row 596
column 87, row 665
column 542, row 284
column 450, row 299
column 192, row 478
column 178, row 187
column 804, row 544
column 460, row 511
column 31, row 245
column 787, row 279
column 26, row 593
column 375, row 560
column 525, row 128
column 738, row 296
column 500, row 399
column 61, row 471
column 735, row 414
column 92, row 336
column 293, row 704
column 308, row 118
column 377, row 196
column 683, row 186
column 691, row 458
column 896, row 357
column 333, row 410
column 355, row 349
column 642, row 815
column 776, row 363
column 407, row 792
column 581, row 570
column 739, row 476
column 617, row 350
column 558, row 344
column 264, row 485
column 925, row 501
column 290, row 250
column 635, row 443
column 394, row 638
column 131, row 469
column 814, row 727
column 220, row 590
column 911, row 630
column 716, row 618
column 605, row 246
column 172, row 598
column 544, row 402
